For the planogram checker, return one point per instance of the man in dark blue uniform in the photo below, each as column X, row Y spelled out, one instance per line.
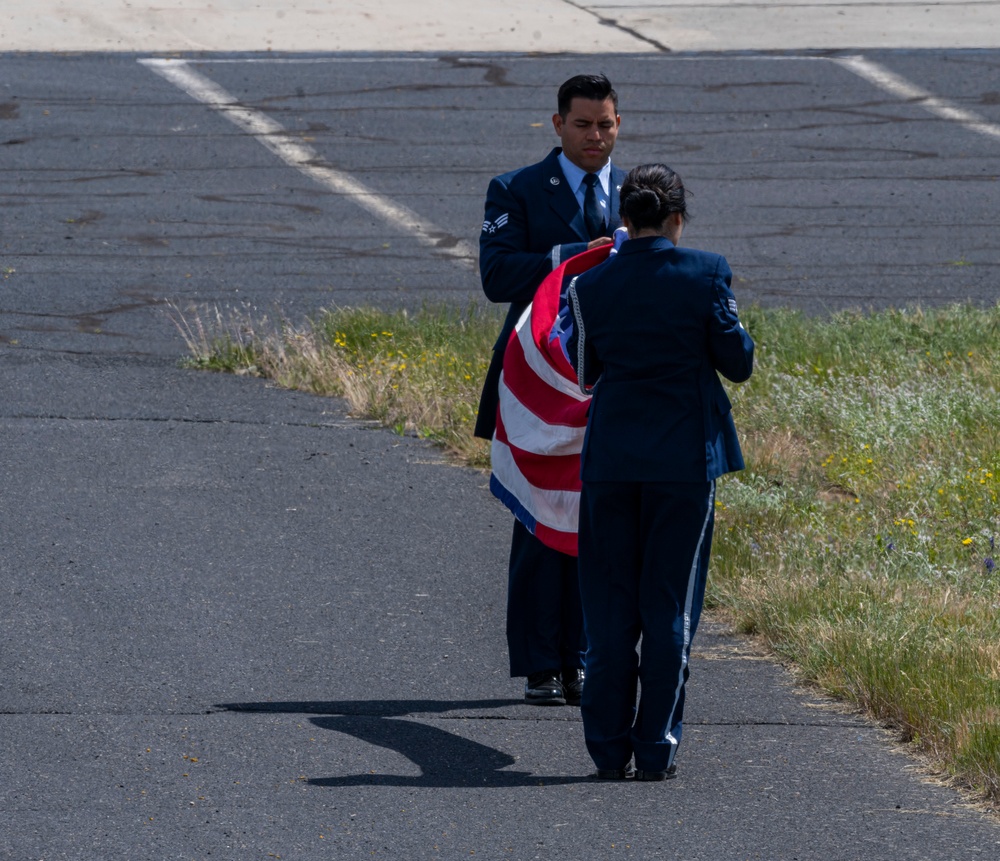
column 536, row 218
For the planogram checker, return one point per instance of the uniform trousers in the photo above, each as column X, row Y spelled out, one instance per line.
column 644, row 549
column 544, row 614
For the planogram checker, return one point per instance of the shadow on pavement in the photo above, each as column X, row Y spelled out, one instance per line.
column 444, row 759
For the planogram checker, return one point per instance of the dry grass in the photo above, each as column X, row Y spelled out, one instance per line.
column 859, row 543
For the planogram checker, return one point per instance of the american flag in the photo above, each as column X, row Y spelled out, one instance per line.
column 542, row 415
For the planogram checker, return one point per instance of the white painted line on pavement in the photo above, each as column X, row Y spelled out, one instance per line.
column 898, row 86
column 305, row 159
column 292, row 61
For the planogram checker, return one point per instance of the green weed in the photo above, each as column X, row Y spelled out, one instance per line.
column 860, row 541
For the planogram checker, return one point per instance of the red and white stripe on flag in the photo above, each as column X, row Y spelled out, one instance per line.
column 542, row 418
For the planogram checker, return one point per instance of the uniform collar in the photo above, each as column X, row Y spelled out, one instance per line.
column 645, row 243
column 574, row 175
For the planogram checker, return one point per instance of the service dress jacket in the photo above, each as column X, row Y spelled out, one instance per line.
column 655, row 326
column 532, row 223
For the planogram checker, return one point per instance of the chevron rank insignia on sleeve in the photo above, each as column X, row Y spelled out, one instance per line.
column 494, row 226
column 732, row 306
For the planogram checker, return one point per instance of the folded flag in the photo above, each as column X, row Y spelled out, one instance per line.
column 542, row 415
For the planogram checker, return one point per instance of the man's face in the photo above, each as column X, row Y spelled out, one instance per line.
column 588, row 132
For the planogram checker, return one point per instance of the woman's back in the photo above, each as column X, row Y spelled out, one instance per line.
column 656, row 323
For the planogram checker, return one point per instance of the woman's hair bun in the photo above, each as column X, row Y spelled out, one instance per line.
column 650, row 194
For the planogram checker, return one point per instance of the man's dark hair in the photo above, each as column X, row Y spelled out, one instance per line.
column 596, row 87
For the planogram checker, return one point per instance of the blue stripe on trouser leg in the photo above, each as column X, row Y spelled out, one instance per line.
column 643, row 561
column 671, row 598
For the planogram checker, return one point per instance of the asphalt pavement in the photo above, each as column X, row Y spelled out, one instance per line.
column 237, row 623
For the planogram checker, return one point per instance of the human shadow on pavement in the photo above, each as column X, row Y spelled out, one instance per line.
column 444, row 759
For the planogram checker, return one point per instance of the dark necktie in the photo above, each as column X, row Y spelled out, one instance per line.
column 592, row 215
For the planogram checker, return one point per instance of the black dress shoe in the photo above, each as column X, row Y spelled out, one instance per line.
column 669, row 774
column 544, row 689
column 573, row 686
column 614, row 773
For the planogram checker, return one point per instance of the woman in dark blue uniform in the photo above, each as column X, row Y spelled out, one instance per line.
column 654, row 326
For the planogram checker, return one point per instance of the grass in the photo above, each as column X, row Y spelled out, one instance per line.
column 860, row 542
column 416, row 373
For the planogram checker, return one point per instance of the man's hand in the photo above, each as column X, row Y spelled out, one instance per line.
column 597, row 243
